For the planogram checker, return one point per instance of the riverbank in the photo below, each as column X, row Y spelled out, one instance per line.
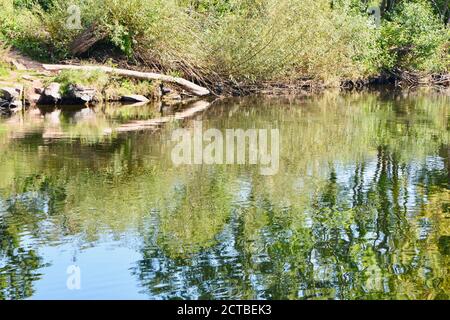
column 26, row 82
column 241, row 47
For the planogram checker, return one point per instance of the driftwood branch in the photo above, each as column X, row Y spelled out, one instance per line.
column 187, row 85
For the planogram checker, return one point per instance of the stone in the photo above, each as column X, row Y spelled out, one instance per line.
column 5, row 111
column 166, row 90
column 33, row 92
column 4, row 104
column 17, row 65
column 32, row 99
column 9, row 106
column 134, row 98
column 9, row 93
column 16, row 104
column 39, row 90
column 78, row 94
column 51, row 94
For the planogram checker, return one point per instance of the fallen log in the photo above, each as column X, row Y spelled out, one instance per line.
column 187, row 85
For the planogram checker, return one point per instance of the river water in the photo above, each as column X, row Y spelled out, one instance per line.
column 359, row 208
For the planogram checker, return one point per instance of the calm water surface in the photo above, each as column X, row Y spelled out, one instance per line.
column 360, row 208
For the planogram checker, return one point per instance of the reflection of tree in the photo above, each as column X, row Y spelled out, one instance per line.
column 193, row 214
column 365, row 250
column 20, row 266
column 355, row 237
column 19, row 261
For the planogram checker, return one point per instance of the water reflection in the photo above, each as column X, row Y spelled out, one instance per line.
column 359, row 209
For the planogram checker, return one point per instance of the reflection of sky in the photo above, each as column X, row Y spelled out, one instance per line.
column 105, row 272
column 242, row 197
column 3, row 207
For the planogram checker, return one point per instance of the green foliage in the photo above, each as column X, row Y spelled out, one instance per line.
column 125, row 21
column 145, row 88
column 44, row 4
column 413, row 38
column 243, row 42
column 4, row 67
column 4, row 72
column 97, row 79
column 269, row 41
column 357, row 6
column 22, row 28
column 218, row 7
column 323, row 43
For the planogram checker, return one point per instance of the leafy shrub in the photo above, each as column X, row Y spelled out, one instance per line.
column 273, row 40
column 23, row 29
column 413, row 38
column 250, row 40
column 123, row 21
column 240, row 41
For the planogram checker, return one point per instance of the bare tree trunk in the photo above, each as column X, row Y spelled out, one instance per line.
column 386, row 6
column 445, row 12
column 187, row 85
column 87, row 39
column 383, row 7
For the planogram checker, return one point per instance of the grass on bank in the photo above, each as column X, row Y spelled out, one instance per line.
column 96, row 79
column 110, row 86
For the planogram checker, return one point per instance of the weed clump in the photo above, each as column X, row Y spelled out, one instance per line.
column 96, row 79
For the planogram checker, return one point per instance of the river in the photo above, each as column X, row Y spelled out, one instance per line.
column 358, row 209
